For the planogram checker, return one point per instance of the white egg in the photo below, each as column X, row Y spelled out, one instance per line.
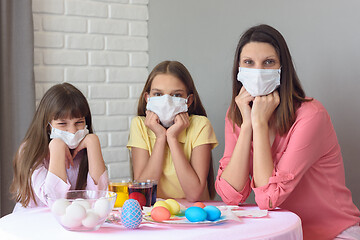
column 91, row 220
column 76, row 212
column 90, row 210
column 68, row 222
column 86, row 204
column 102, row 207
column 59, row 206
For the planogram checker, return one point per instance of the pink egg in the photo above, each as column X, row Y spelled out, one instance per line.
column 160, row 214
column 199, row 204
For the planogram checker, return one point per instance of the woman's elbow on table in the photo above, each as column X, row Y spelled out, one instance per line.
column 228, row 194
column 265, row 203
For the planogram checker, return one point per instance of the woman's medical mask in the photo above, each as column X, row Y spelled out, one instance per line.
column 259, row 82
column 167, row 107
column 71, row 139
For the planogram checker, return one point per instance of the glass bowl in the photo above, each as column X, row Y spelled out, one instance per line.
column 81, row 210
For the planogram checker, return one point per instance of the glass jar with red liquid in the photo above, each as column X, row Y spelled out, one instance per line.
column 142, row 192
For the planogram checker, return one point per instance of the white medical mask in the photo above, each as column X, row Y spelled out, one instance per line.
column 259, row 82
column 71, row 139
column 167, row 107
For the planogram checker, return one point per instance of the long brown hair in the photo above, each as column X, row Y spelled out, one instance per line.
column 290, row 90
column 179, row 71
column 60, row 101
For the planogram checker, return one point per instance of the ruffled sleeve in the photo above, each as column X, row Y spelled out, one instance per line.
column 102, row 184
column 45, row 183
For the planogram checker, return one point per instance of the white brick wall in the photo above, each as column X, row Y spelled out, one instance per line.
column 101, row 47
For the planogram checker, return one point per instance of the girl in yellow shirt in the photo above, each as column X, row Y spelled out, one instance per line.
column 171, row 138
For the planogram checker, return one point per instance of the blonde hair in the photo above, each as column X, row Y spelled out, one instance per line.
column 60, row 101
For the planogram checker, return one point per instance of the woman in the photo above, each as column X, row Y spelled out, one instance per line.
column 283, row 140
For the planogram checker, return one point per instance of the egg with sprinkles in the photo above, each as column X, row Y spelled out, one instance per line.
column 131, row 214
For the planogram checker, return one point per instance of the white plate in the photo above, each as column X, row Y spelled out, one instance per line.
column 183, row 221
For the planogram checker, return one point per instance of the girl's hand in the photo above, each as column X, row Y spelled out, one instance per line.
column 96, row 162
column 263, row 107
column 152, row 121
column 88, row 141
column 181, row 122
column 243, row 100
column 57, row 145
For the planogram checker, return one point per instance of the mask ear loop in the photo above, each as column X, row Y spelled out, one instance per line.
column 186, row 100
column 50, row 128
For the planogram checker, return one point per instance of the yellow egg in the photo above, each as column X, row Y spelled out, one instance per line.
column 174, row 206
column 162, row 204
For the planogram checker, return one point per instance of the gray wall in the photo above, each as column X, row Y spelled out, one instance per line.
column 323, row 37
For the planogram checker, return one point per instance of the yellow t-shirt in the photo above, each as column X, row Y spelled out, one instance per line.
column 198, row 133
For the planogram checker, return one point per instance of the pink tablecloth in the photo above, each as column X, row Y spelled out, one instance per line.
column 39, row 224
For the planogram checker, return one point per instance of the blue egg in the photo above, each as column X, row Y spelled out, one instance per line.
column 213, row 213
column 131, row 214
column 195, row 214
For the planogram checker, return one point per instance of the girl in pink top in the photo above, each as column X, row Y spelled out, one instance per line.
column 281, row 144
column 60, row 152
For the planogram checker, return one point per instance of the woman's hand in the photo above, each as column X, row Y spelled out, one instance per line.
column 243, row 100
column 152, row 121
column 57, row 147
column 181, row 122
column 263, row 108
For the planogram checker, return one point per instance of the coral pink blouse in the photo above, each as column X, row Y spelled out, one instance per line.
column 308, row 177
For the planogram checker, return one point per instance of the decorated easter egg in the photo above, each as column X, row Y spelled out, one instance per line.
column 59, row 206
column 91, row 219
column 131, row 214
column 195, row 214
column 199, row 204
column 102, row 207
column 213, row 213
column 162, row 204
column 160, row 214
column 174, row 206
column 138, row 196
